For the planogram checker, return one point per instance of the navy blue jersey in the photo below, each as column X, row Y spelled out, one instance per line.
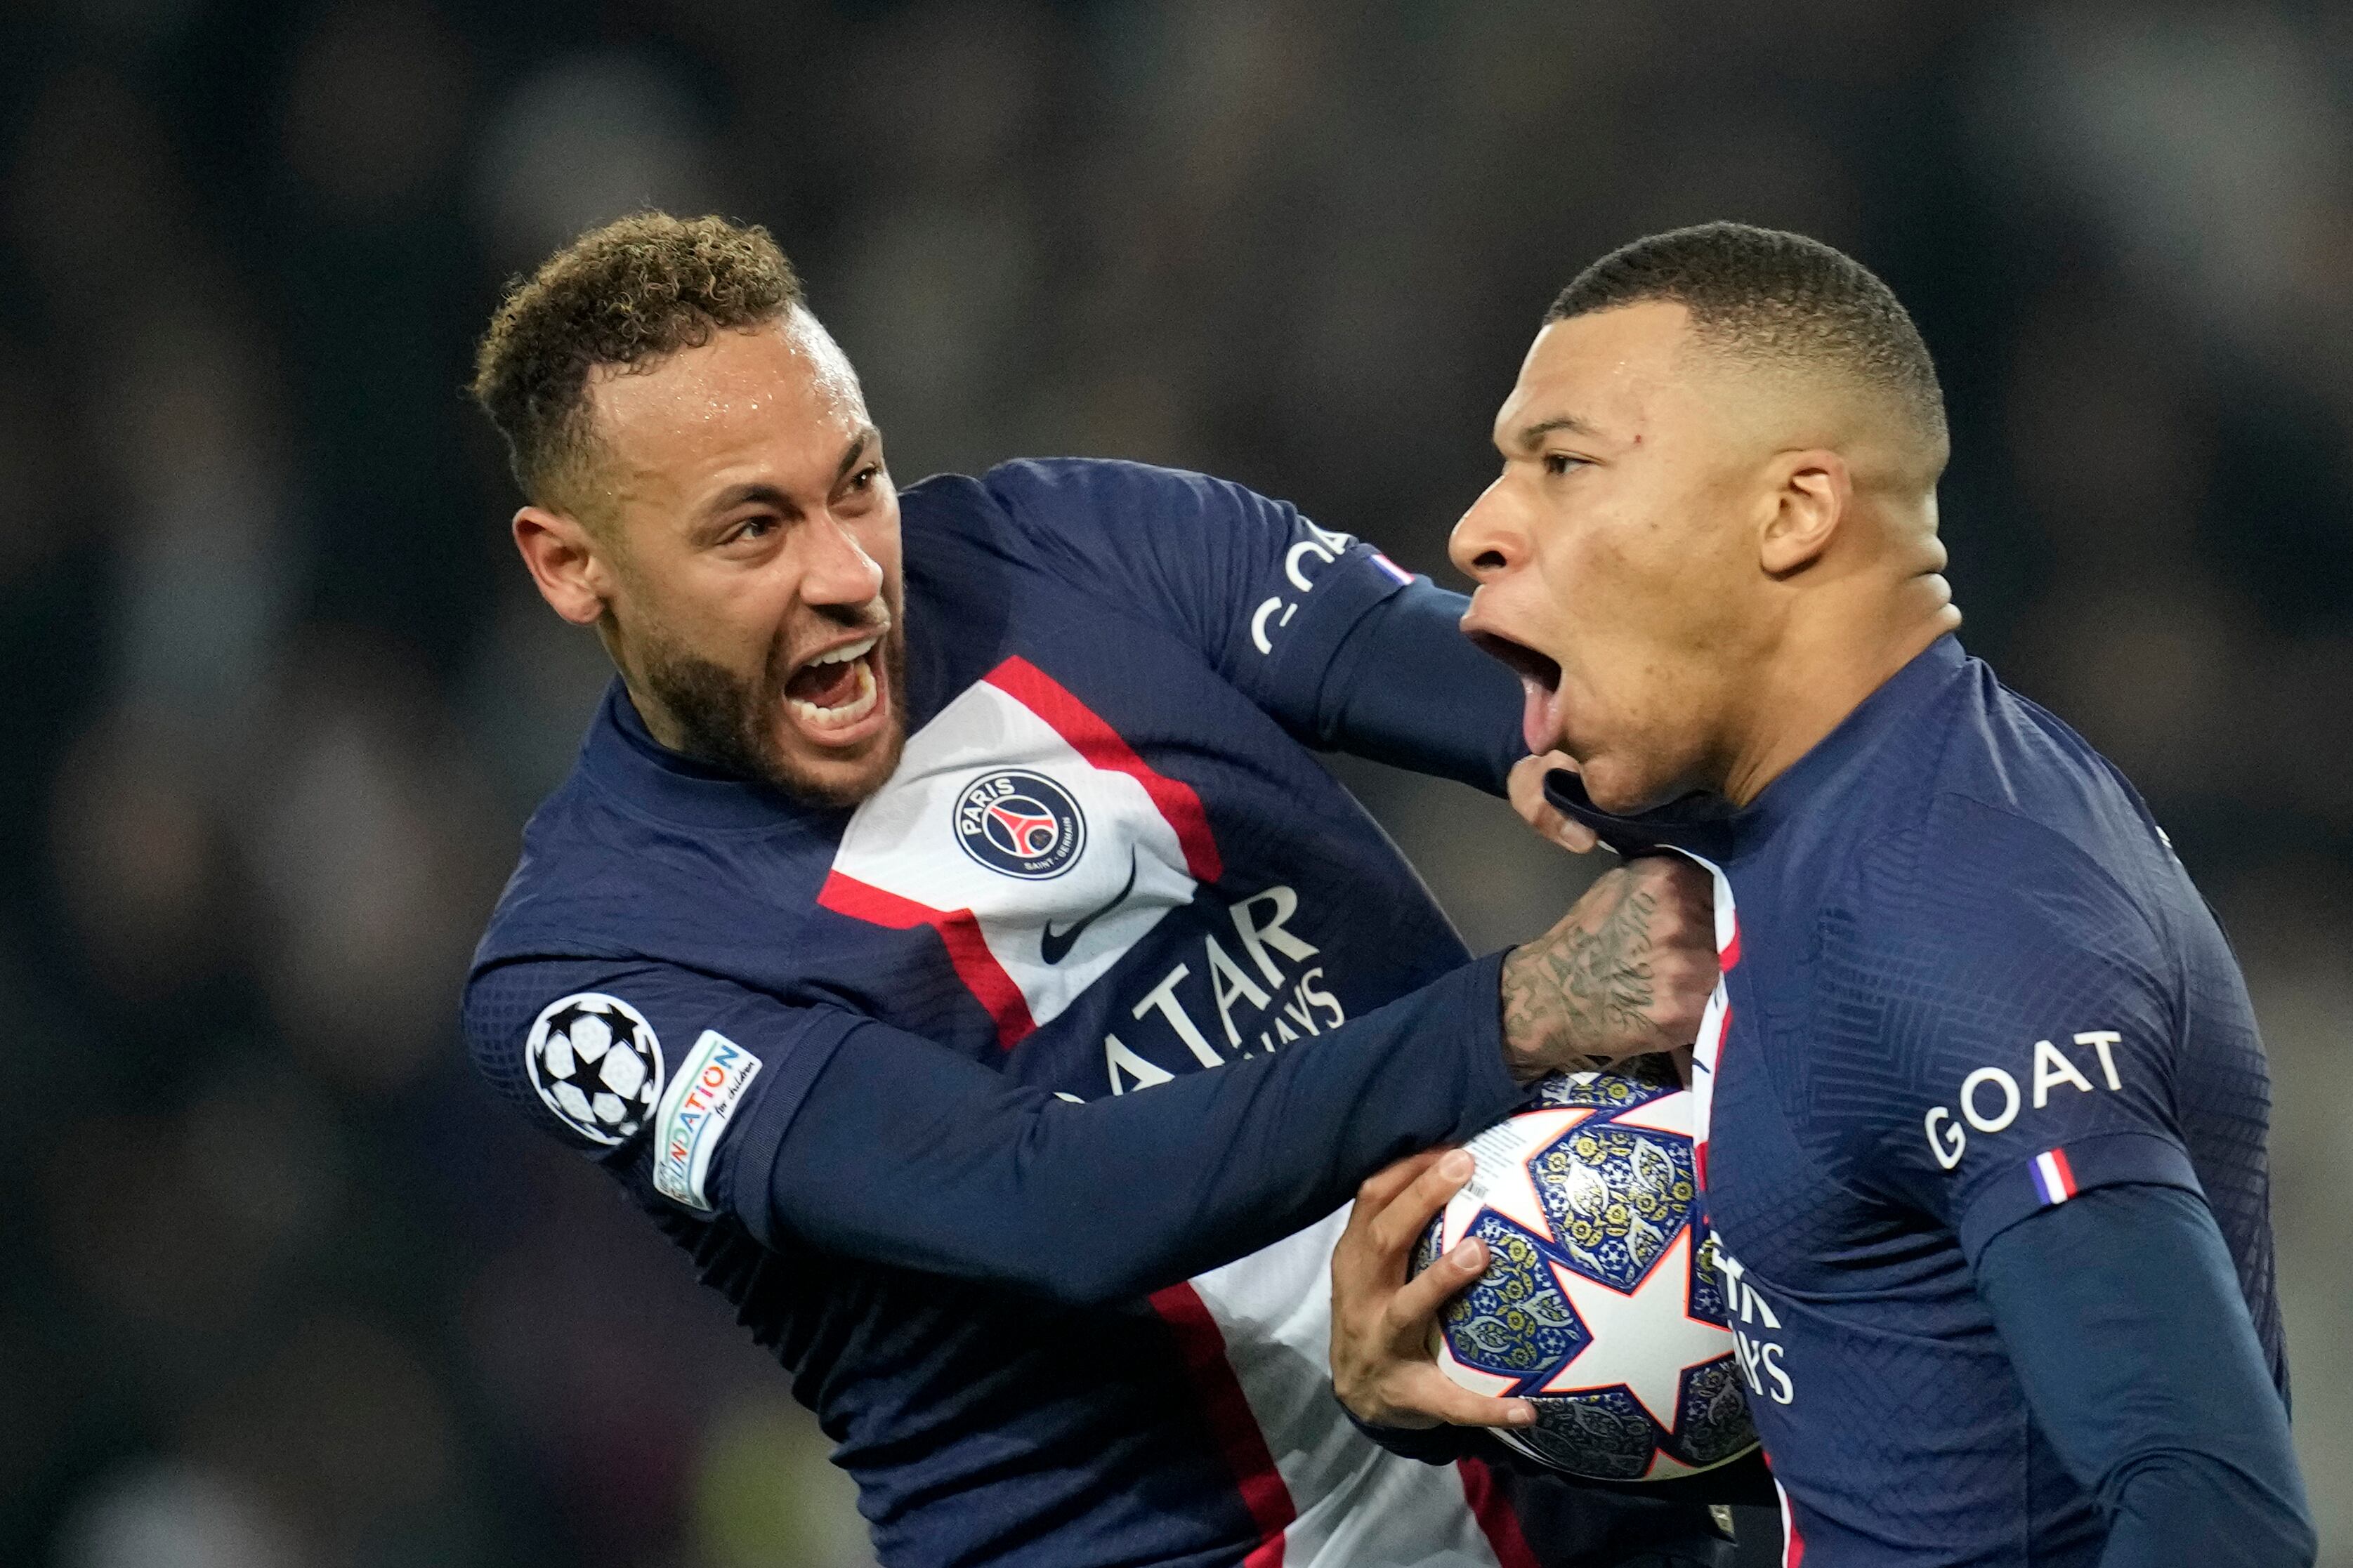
column 1966, row 980
column 1106, row 864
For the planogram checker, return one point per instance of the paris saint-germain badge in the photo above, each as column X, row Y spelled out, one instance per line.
column 1020, row 822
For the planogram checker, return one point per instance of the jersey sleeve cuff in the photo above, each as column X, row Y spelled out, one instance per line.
column 2052, row 1176
column 750, row 1155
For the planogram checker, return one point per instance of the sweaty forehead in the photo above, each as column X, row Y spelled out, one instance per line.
column 781, row 387
column 1603, row 375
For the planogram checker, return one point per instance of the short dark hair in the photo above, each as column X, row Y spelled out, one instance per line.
column 1766, row 294
column 627, row 294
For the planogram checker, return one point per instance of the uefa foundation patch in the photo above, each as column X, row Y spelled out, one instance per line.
column 702, row 1099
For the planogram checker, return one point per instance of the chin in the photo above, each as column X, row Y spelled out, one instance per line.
column 1621, row 789
column 843, row 778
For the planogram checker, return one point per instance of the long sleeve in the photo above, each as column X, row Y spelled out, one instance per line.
column 872, row 1143
column 2123, row 1316
column 1407, row 688
column 1333, row 640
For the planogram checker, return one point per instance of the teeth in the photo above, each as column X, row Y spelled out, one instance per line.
column 850, row 712
column 844, row 654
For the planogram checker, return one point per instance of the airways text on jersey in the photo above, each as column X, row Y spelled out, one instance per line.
column 1754, row 1326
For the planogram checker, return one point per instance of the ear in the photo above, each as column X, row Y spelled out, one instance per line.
column 563, row 561
column 1812, row 492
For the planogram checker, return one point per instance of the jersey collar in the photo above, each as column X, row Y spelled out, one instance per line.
column 621, row 756
column 1709, row 827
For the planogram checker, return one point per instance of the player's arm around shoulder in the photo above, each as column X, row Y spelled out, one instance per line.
column 809, row 1124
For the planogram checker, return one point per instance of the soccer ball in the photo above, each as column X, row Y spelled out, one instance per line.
column 596, row 1064
column 1600, row 1304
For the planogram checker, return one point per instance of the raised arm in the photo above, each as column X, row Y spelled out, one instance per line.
column 1343, row 648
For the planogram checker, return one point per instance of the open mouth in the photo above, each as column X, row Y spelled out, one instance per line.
column 1540, row 718
column 832, row 691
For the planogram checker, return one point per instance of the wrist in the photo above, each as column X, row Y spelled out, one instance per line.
column 1539, row 1032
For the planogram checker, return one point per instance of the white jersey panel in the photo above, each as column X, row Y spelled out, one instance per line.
column 1358, row 1506
column 905, row 839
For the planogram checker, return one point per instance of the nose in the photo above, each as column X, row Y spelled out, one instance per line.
column 1489, row 539
column 839, row 571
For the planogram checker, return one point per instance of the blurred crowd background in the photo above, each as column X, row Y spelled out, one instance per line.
column 283, row 1288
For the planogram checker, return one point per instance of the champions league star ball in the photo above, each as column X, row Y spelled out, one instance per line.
column 596, row 1064
column 1600, row 1305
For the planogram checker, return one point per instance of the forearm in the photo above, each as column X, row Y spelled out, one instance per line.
column 1407, row 688
column 2190, row 1507
column 949, row 1167
column 2121, row 1312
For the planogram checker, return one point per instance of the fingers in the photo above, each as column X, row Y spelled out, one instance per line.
column 1387, row 1183
column 1363, row 1263
column 1422, row 1390
column 1395, row 1229
column 1526, row 790
column 1418, row 1300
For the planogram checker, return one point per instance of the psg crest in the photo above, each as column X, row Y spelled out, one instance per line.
column 595, row 1062
column 1021, row 824
column 1600, row 1304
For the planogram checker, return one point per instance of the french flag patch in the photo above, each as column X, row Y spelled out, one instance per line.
column 2053, row 1177
column 1391, row 567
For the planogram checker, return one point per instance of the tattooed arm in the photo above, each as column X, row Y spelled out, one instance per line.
column 1627, row 972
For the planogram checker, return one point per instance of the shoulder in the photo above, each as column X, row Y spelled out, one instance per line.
column 1029, row 488
column 1030, row 482
column 605, row 877
column 1973, row 874
column 1966, row 935
column 1074, row 500
column 2001, row 832
column 570, row 1042
column 1093, row 520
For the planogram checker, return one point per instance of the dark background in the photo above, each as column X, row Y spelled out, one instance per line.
column 282, row 1286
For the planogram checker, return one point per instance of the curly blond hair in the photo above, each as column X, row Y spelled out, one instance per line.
column 629, row 294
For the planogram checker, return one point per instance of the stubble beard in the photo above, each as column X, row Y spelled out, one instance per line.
column 729, row 722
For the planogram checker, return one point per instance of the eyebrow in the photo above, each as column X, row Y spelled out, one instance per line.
column 1534, row 434
column 857, row 449
column 768, row 495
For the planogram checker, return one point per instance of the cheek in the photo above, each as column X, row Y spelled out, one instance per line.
column 732, row 618
column 878, row 536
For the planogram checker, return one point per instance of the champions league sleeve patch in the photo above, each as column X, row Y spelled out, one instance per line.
column 596, row 1064
column 701, row 1101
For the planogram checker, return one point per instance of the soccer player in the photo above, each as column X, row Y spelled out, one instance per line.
column 925, row 856
column 1982, row 1103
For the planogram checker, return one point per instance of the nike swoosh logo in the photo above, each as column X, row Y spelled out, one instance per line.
column 1054, row 947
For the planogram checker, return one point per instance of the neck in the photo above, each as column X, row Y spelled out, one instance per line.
column 1828, row 663
column 667, row 731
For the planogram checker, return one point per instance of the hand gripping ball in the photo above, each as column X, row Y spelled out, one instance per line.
column 1600, row 1304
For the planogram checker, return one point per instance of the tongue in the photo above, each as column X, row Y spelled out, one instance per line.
column 827, row 685
column 1539, row 717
